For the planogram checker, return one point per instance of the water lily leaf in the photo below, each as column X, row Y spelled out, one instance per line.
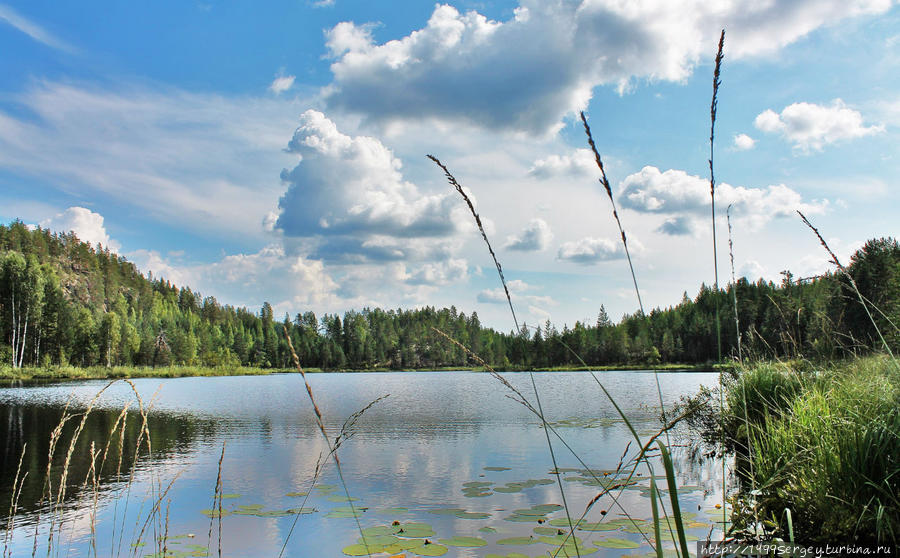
column 488, row 530
column 497, row 468
column 446, row 511
column 325, row 487
column 522, row 518
column 546, row 530
column 362, row 550
column 464, row 541
column 296, row 494
column 560, row 539
column 564, row 522
column 548, row 508
column 599, row 527
column 414, row 530
column 476, row 493
column 392, row 511
column 404, row 544
column 382, row 540
column 517, row 541
column 302, row 511
column 472, row 515
column 342, row 498
column 229, row 496
column 531, row 511
column 477, row 484
column 345, row 513
column 617, row 543
column 378, row 530
column 507, row 489
column 251, row 507
column 215, row 513
column 431, row 550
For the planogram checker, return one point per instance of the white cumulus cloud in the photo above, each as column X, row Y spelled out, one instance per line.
column 536, row 236
column 86, row 224
column 527, row 72
column 811, row 126
column 579, row 163
column 675, row 192
column 743, row 142
column 590, row 250
column 350, row 192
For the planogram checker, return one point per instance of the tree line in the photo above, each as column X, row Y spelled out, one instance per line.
column 64, row 302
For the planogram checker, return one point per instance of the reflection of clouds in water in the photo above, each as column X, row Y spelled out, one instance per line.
column 415, row 449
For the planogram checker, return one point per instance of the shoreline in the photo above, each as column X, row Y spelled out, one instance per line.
column 117, row 372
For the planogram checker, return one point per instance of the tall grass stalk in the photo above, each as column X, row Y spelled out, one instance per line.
column 458, row 187
column 713, row 107
column 332, row 450
column 849, row 277
column 737, row 321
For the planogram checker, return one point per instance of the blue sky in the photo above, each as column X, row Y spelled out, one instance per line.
column 276, row 151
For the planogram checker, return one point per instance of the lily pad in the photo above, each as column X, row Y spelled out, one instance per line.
column 546, row 530
column 296, row 494
column 446, row 511
column 497, row 468
column 617, row 543
column 414, row 530
column 472, row 515
column 215, row 513
column 477, row 484
column 378, row 540
column 362, row 550
column 599, row 526
column 488, row 530
column 507, row 489
column 342, row 499
column 430, row 549
column 229, row 496
column 392, row 511
column 517, row 541
column 464, row 541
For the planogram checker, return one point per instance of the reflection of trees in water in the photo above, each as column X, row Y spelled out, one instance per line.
column 31, row 426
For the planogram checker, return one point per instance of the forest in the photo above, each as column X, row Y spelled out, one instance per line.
column 64, row 302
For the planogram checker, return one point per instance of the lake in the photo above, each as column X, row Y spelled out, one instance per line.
column 448, row 456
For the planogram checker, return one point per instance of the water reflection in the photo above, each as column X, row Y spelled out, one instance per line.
column 415, row 450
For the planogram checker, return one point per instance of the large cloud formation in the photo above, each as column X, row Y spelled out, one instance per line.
column 349, row 193
column 528, row 72
column 675, row 192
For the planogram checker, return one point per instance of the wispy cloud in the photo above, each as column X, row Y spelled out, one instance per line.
column 33, row 30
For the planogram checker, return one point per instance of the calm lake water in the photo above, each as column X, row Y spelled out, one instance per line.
column 413, row 458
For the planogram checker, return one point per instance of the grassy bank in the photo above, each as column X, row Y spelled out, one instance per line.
column 103, row 372
column 818, row 449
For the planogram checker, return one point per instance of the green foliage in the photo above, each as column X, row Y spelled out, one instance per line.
column 65, row 302
column 826, row 446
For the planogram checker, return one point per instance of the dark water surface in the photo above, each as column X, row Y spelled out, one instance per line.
column 410, row 455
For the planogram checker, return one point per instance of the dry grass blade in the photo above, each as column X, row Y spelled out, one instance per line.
column 737, row 322
column 13, row 501
column 332, row 449
column 849, row 277
column 605, row 182
column 453, row 182
column 713, row 107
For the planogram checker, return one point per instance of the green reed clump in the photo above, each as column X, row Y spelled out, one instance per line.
column 827, row 447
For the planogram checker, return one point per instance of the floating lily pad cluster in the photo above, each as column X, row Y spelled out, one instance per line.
column 460, row 513
column 399, row 537
column 177, row 548
column 534, row 514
